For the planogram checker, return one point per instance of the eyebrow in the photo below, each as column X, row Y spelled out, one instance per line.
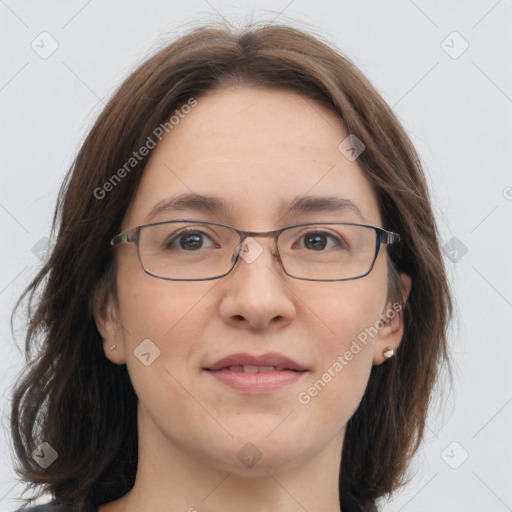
column 213, row 204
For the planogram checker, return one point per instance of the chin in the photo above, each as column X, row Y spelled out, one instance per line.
column 256, row 456
column 253, row 462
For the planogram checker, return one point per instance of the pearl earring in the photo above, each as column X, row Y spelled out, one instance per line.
column 113, row 347
column 388, row 352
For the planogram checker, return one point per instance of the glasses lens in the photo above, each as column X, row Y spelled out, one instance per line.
column 191, row 250
column 187, row 250
column 328, row 251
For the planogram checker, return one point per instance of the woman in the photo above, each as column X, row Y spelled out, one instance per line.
column 246, row 297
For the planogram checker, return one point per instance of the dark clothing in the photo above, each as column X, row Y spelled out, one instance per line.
column 56, row 506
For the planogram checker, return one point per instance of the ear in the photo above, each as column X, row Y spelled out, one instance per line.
column 106, row 315
column 393, row 324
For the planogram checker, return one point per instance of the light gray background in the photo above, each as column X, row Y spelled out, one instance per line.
column 456, row 110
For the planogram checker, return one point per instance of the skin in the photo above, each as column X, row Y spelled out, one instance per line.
column 277, row 145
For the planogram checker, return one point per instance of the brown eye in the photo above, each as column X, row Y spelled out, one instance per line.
column 315, row 241
column 189, row 240
column 321, row 240
column 192, row 241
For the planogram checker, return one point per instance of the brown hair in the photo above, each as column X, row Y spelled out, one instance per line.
column 74, row 398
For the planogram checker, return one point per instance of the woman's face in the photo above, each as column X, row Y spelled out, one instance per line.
column 255, row 150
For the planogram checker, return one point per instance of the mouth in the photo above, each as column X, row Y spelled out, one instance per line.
column 255, row 369
column 256, row 374
column 248, row 363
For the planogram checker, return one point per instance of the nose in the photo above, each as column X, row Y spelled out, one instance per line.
column 256, row 292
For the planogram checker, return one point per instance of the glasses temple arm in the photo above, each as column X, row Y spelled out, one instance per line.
column 121, row 238
column 388, row 237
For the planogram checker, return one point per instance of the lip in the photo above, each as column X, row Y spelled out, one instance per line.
column 269, row 359
column 285, row 373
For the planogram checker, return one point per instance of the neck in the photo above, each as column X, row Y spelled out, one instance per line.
column 170, row 479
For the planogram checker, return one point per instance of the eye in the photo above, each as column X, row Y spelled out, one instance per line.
column 190, row 240
column 321, row 240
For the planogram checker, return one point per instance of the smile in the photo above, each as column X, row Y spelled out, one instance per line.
column 255, row 369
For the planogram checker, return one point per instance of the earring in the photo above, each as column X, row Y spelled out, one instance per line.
column 113, row 347
column 388, row 352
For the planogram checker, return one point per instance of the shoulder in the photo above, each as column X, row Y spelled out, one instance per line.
column 57, row 506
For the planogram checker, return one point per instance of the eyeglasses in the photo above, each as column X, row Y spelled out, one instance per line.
column 196, row 250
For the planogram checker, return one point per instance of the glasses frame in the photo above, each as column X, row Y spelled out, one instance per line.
column 132, row 235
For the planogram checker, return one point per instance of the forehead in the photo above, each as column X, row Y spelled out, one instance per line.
column 257, row 150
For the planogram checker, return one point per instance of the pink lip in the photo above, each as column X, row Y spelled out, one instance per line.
column 286, row 372
column 270, row 359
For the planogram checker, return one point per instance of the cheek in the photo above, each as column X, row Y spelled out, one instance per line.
column 156, row 308
column 333, row 392
column 171, row 315
column 349, row 318
column 349, row 308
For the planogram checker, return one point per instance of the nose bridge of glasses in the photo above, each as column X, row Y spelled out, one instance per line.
column 250, row 248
